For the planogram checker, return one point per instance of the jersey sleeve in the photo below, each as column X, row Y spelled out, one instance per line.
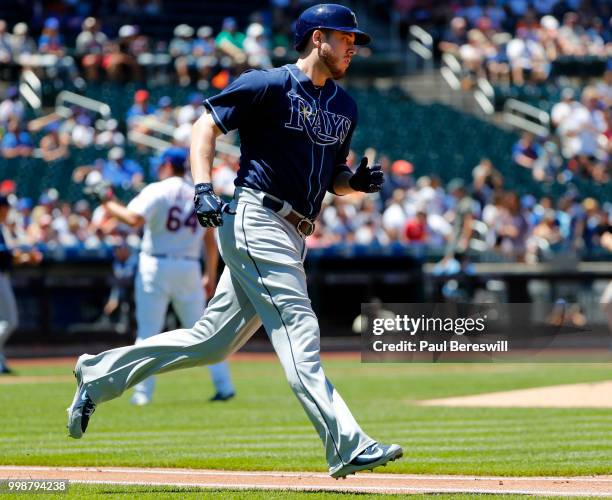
column 231, row 107
column 144, row 204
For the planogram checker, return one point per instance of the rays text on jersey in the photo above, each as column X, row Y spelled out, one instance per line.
column 323, row 127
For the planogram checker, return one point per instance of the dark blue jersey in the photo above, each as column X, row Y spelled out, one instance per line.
column 294, row 137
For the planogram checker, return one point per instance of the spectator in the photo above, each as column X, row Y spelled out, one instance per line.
column 454, row 37
column 83, row 134
column 525, row 53
column 165, row 112
column 192, row 110
column 394, row 216
column 565, row 108
column 16, row 142
column 42, row 235
column 401, row 175
column 570, row 34
column 585, row 125
column 512, row 229
column 50, row 41
column 230, row 41
column 593, row 221
column 54, row 146
column 256, row 47
column 6, row 53
column 141, row 107
column 110, row 135
column 462, row 214
column 486, row 180
column 122, row 172
column 472, row 55
column 526, row 151
column 181, row 50
column 416, row 228
column 11, row 107
column 90, row 46
column 549, row 164
column 22, row 45
column 547, row 229
column 204, row 50
column 119, row 62
column 54, row 53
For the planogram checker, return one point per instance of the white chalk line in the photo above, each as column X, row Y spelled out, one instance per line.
column 398, row 477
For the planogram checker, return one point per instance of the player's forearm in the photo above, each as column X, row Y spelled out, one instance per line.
column 341, row 184
column 124, row 214
column 202, row 152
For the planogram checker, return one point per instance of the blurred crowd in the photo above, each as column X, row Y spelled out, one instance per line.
column 580, row 144
column 422, row 213
column 55, row 137
column 512, row 40
column 506, row 40
column 197, row 55
column 460, row 217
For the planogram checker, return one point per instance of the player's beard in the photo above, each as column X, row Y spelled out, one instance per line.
column 333, row 63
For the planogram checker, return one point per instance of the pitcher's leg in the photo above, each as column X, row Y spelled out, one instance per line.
column 151, row 308
column 267, row 262
column 189, row 303
column 226, row 325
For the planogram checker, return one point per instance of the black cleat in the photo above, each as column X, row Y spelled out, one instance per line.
column 222, row 397
column 373, row 456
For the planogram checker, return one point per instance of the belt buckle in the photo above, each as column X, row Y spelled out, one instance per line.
column 308, row 230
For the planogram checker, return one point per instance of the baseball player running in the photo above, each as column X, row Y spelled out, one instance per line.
column 169, row 261
column 295, row 126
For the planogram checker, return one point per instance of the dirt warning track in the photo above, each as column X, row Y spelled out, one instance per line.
column 311, row 481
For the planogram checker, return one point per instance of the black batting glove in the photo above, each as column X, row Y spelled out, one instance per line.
column 208, row 206
column 367, row 179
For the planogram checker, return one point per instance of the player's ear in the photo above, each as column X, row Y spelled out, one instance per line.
column 318, row 37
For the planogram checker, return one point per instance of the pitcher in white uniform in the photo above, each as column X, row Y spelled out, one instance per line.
column 169, row 263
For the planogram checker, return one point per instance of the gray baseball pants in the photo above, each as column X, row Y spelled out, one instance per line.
column 264, row 281
column 8, row 311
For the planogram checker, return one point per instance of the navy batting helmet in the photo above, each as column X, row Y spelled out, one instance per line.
column 327, row 16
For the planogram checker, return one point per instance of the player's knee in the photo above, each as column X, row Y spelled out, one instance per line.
column 295, row 381
column 302, row 322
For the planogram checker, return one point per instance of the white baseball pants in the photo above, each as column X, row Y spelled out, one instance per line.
column 161, row 281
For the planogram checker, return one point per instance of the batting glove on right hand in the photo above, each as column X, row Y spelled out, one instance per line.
column 208, row 206
column 367, row 179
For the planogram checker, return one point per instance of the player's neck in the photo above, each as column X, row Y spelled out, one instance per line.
column 314, row 69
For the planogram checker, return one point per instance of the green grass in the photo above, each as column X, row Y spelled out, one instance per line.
column 130, row 492
column 265, row 428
